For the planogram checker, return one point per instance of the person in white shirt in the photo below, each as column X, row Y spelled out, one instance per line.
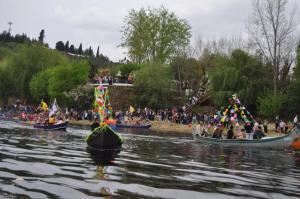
column 295, row 120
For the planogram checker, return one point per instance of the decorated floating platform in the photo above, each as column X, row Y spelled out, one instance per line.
column 103, row 136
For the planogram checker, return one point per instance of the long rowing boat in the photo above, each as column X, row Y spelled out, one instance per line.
column 104, row 138
column 269, row 142
column 52, row 127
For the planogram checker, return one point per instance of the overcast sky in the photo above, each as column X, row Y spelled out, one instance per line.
column 98, row 22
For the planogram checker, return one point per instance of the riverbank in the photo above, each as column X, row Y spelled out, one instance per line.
column 157, row 126
column 168, row 127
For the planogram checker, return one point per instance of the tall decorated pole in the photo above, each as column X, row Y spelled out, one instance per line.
column 235, row 111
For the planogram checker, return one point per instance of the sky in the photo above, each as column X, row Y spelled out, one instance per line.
column 99, row 22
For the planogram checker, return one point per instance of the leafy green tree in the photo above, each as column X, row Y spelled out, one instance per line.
column 153, row 85
column 154, row 35
column 270, row 104
column 126, row 69
column 239, row 73
column 39, row 85
column 27, row 62
column 42, row 36
column 60, row 46
column 66, row 77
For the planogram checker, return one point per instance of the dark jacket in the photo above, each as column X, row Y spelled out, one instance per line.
column 258, row 134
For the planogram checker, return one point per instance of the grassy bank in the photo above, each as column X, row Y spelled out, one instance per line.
column 157, row 126
column 167, row 127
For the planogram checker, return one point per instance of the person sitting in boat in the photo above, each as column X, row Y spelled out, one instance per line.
column 95, row 124
column 258, row 134
column 51, row 120
column 218, row 132
column 230, row 133
column 239, row 133
column 59, row 121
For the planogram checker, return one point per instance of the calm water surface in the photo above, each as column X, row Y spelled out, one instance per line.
column 37, row 164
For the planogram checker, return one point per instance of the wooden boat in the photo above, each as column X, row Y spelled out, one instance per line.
column 104, row 138
column 53, row 127
column 141, row 126
column 270, row 142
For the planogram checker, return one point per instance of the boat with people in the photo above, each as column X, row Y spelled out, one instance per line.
column 234, row 115
column 103, row 136
column 266, row 142
column 50, row 120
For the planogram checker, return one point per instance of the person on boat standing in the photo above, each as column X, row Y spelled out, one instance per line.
column 230, row 133
column 249, row 131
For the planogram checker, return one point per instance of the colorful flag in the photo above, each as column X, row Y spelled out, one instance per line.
column 131, row 109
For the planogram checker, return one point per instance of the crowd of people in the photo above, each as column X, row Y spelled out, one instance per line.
column 108, row 79
column 204, row 124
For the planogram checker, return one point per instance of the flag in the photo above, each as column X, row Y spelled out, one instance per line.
column 131, row 109
column 44, row 106
column 53, row 109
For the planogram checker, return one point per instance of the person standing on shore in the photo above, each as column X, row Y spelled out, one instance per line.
column 277, row 123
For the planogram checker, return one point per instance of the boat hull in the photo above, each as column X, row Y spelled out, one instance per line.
column 274, row 142
column 147, row 126
column 105, row 138
column 56, row 127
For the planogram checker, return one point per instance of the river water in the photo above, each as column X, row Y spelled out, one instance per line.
column 38, row 164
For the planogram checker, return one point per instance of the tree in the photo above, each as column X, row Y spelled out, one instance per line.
column 66, row 77
column 42, row 36
column 294, row 87
column 126, row 69
column 270, row 104
column 91, row 52
column 97, row 55
column 67, row 48
column 72, row 49
column 60, row 46
column 26, row 63
column 80, row 49
column 153, row 85
column 271, row 29
column 154, row 35
column 239, row 73
column 39, row 85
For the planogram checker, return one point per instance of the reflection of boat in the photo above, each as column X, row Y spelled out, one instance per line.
column 272, row 142
column 103, row 157
column 138, row 126
column 52, row 127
